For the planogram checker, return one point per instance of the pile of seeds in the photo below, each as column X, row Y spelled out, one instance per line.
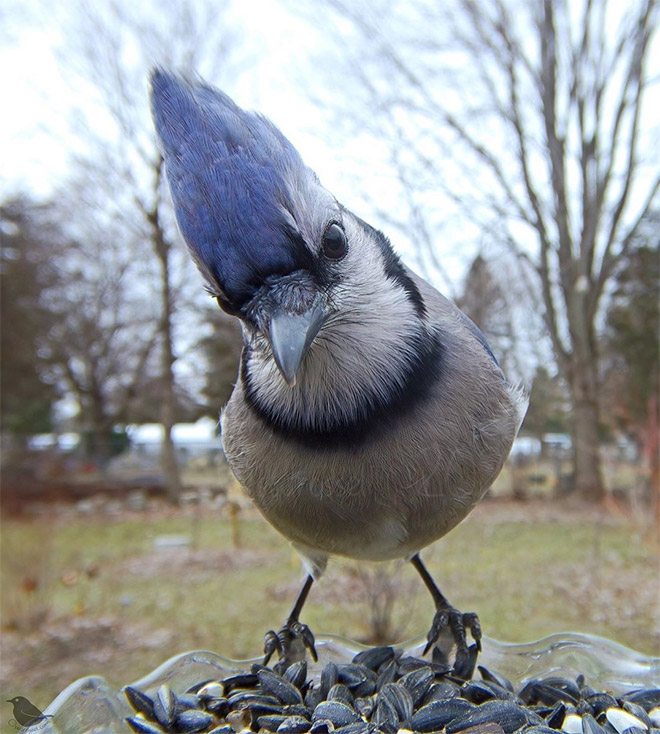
column 383, row 691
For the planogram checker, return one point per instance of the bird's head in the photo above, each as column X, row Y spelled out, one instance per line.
column 275, row 248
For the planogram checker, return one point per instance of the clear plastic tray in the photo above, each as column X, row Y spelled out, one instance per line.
column 91, row 706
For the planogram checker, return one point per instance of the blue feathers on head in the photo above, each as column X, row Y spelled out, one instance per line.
column 232, row 175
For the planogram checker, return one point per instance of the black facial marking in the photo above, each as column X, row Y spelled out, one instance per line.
column 377, row 415
column 394, row 268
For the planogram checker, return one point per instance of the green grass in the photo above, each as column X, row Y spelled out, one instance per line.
column 106, row 602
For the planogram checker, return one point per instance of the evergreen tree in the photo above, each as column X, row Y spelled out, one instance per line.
column 632, row 340
column 27, row 398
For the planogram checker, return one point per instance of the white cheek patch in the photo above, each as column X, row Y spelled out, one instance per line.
column 360, row 358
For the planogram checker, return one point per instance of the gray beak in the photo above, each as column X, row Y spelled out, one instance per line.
column 291, row 335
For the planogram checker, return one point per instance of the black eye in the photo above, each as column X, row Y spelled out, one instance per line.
column 227, row 306
column 334, row 242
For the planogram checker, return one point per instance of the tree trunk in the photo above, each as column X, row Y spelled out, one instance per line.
column 582, row 364
column 170, row 464
column 162, row 249
column 652, row 451
column 586, row 444
column 100, row 426
column 586, row 450
column 168, row 407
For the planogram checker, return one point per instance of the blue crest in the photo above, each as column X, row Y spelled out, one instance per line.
column 232, row 177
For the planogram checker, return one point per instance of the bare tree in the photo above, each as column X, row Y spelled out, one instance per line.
column 103, row 329
column 527, row 119
column 111, row 49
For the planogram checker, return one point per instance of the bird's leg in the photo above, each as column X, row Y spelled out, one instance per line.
column 292, row 631
column 447, row 616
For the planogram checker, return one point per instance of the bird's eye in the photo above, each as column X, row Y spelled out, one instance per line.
column 227, row 306
column 334, row 242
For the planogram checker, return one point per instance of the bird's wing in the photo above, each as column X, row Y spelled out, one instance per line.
column 447, row 316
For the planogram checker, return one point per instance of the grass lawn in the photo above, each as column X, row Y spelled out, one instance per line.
column 95, row 595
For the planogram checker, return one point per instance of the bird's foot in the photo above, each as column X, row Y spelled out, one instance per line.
column 290, row 643
column 447, row 617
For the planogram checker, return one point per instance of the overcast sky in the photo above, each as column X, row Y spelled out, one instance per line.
column 35, row 125
column 279, row 48
column 281, row 51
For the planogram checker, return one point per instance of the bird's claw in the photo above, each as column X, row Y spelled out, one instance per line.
column 304, row 633
column 284, row 642
column 272, row 642
column 450, row 618
column 471, row 621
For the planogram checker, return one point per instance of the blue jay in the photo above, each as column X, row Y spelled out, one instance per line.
column 369, row 414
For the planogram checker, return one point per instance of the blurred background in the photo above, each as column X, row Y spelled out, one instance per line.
column 508, row 148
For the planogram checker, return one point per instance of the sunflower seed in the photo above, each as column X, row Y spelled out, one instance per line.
column 494, row 677
column 385, row 716
column 550, row 694
column 211, row 689
column 509, row 715
column 387, row 673
column 352, row 675
column 437, row 714
column 322, row 726
column 140, row 702
column 142, row 726
column 366, row 688
column 639, row 711
column 400, row 698
column 338, row 713
column 417, row 682
column 279, row 687
column 164, row 704
column 297, row 674
column 477, row 691
column 297, row 709
column 600, row 702
column 654, row 716
column 622, row 720
column 294, row 725
column 241, row 680
column 590, row 725
column 647, row 698
column 340, row 692
column 359, row 727
column 271, row 722
column 375, row 657
column 192, row 721
column 329, row 676
column 217, row 706
column 572, row 724
column 488, row 728
column 556, row 717
column 250, row 699
column 442, row 691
